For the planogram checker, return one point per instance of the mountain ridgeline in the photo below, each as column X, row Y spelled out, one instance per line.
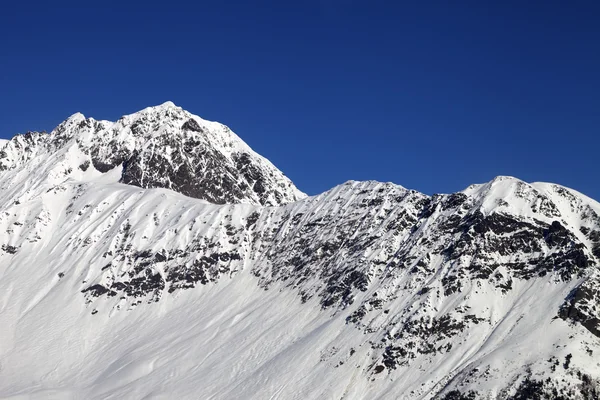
column 160, row 257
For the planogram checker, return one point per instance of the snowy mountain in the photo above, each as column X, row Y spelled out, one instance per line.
column 159, row 257
column 187, row 154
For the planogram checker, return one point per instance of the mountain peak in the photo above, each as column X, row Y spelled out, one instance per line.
column 167, row 104
column 167, row 147
column 76, row 117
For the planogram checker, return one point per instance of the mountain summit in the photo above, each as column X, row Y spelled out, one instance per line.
column 158, row 147
column 159, row 257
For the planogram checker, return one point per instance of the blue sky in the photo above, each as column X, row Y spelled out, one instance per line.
column 428, row 95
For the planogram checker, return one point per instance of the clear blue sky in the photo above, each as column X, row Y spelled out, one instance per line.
column 425, row 94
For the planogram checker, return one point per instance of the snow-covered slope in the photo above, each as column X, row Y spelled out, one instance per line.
column 114, row 286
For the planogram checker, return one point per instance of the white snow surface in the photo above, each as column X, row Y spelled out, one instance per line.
column 265, row 325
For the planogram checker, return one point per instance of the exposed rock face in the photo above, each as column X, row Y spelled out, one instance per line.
column 583, row 305
column 492, row 292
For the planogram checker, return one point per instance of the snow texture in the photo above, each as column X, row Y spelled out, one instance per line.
column 159, row 257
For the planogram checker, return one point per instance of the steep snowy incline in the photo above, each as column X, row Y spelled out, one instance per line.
column 367, row 291
column 158, row 147
column 110, row 288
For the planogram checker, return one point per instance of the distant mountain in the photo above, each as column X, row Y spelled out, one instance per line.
column 159, row 257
